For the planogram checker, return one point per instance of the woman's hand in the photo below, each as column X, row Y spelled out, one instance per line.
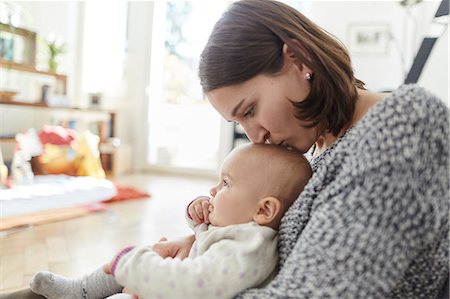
column 198, row 210
column 177, row 248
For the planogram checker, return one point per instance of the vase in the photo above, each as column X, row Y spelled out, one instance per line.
column 52, row 65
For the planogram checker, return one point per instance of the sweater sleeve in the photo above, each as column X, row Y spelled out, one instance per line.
column 385, row 203
column 225, row 269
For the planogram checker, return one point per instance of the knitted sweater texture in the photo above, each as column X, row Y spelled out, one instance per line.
column 373, row 220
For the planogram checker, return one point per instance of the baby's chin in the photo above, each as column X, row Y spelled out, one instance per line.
column 212, row 221
column 211, row 215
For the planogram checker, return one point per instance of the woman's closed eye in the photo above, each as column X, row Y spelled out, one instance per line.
column 250, row 112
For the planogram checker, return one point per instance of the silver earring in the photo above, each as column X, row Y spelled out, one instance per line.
column 308, row 76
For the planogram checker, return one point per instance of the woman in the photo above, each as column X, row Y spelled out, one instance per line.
column 373, row 220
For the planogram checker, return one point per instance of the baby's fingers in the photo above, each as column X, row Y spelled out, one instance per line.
column 199, row 211
column 205, row 208
column 193, row 213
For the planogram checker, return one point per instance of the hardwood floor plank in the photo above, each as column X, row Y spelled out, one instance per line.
column 35, row 258
column 11, row 271
column 57, row 249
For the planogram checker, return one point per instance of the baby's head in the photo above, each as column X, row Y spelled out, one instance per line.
column 258, row 182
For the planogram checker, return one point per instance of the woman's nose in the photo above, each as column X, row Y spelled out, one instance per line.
column 256, row 134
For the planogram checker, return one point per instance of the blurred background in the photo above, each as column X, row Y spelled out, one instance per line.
column 127, row 71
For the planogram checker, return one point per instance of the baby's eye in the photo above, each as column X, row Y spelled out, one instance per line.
column 249, row 112
column 224, row 183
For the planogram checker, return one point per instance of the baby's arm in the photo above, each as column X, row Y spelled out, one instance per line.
column 227, row 268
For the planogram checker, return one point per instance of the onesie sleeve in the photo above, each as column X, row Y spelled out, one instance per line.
column 225, row 269
column 191, row 223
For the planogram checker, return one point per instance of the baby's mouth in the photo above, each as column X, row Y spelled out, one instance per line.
column 210, row 208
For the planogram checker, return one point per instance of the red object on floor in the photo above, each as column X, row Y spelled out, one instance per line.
column 125, row 193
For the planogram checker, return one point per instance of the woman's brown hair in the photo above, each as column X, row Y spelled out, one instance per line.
column 248, row 40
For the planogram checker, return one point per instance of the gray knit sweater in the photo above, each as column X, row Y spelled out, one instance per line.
column 373, row 220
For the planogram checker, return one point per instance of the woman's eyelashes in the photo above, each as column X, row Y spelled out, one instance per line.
column 249, row 112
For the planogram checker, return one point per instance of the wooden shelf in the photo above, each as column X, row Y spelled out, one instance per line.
column 7, row 139
column 26, row 104
column 27, row 68
column 43, row 105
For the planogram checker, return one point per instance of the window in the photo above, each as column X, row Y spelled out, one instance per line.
column 184, row 129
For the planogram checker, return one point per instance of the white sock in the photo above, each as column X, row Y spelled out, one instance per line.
column 96, row 285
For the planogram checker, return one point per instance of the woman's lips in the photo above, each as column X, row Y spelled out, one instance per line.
column 282, row 143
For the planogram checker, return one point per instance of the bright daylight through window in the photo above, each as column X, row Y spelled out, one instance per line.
column 184, row 130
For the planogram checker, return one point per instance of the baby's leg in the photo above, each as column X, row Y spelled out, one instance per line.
column 95, row 285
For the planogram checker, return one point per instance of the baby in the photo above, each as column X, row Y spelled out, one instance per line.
column 235, row 232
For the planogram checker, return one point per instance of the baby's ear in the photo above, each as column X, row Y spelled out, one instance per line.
column 267, row 212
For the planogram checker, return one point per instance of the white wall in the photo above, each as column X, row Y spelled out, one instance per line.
column 435, row 73
column 137, row 75
column 378, row 71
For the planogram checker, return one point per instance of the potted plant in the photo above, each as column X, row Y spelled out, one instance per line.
column 55, row 48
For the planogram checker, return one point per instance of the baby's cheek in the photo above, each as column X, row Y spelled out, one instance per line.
column 212, row 218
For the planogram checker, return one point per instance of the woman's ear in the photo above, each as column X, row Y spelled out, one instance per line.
column 268, row 210
column 289, row 55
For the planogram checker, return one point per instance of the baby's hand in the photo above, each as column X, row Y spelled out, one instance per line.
column 198, row 210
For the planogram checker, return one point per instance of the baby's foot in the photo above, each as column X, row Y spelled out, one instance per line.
column 54, row 286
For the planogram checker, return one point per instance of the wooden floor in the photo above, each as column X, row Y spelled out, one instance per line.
column 76, row 246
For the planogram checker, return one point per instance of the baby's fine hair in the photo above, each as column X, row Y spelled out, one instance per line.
column 286, row 172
